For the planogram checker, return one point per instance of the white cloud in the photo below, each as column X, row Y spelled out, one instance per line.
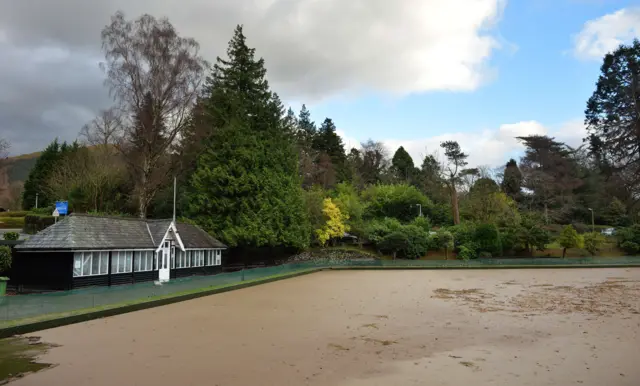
column 313, row 48
column 491, row 147
column 606, row 33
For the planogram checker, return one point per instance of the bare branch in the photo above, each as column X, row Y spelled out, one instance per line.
column 155, row 75
column 105, row 129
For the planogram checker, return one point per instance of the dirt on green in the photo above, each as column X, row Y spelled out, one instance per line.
column 18, row 357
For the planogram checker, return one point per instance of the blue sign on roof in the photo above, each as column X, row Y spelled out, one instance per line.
column 62, row 207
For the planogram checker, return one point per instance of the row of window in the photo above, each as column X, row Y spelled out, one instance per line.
column 198, row 258
column 97, row 263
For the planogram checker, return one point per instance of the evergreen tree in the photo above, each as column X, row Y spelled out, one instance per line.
column 328, row 142
column 306, row 127
column 430, row 180
column 512, row 180
column 402, row 165
column 36, row 183
column 613, row 114
column 245, row 188
column 455, row 170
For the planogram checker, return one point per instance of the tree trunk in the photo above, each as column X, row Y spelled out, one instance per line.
column 446, row 256
column 454, row 205
column 564, row 252
column 546, row 214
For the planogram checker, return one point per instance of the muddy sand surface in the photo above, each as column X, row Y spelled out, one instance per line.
column 351, row 328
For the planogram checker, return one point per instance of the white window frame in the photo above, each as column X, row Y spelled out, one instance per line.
column 208, row 256
column 83, row 260
column 144, row 261
column 118, row 257
column 198, row 257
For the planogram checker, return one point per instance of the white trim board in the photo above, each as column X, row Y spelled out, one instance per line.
column 173, row 227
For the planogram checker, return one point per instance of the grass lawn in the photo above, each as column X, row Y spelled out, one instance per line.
column 47, row 317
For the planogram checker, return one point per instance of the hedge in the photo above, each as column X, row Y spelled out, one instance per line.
column 35, row 223
column 17, row 213
column 11, row 222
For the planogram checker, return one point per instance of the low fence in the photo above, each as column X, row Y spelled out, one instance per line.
column 34, row 305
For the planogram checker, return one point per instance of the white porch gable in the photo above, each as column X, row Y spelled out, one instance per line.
column 172, row 231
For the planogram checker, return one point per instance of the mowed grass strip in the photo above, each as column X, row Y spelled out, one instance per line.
column 6, row 327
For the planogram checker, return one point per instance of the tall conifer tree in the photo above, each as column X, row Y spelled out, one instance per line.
column 245, row 188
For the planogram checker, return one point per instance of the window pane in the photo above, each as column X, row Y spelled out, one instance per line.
column 137, row 259
column 104, row 263
column 77, row 264
column 114, row 262
column 120, row 262
column 95, row 263
column 129, row 257
column 86, row 264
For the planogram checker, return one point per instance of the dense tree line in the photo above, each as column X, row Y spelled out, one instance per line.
column 257, row 174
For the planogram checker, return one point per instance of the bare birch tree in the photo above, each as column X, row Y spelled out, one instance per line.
column 105, row 129
column 148, row 62
column 4, row 148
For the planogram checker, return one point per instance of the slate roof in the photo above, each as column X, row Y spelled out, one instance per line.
column 77, row 232
column 195, row 237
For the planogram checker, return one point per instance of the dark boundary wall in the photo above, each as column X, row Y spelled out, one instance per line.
column 72, row 319
column 460, row 267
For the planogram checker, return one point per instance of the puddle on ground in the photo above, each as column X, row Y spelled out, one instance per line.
column 18, row 357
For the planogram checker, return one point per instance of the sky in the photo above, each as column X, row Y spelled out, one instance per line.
column 408, row 73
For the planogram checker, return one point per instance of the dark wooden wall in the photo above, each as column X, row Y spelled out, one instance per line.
column 194, row 271
column 42, row 270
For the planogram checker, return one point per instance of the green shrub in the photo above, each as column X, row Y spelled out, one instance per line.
column 532, row 234
column 396, row 201
column 12, row 222
column 394, row 243
column 629, row 239
column 439, row 214
column 569, row 238
column 442, row 240
column 17, row 213
column 422, row 222
column 484, row 255
column 46, row 211
column 36, row 223
column 377, row 230
column 592, row 242
column 5, row 258
column 11, row 236
column 509, row 240
column 418, row 242
column 463, row 233
column 487, row 237
column 468, row 251
column 630, row 247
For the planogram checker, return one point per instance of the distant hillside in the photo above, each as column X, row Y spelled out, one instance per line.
column 14, row 171
column 18, row 167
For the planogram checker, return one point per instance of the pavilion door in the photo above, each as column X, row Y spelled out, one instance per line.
column 163, row 262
